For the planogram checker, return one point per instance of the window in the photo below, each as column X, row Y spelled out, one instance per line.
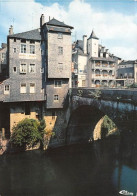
column 60, row 36
column 23, row 40
column 27, row 108
column 60, row 66
column 14, row 50
column 14, row 69
column 23, row 48
column 83, row 83
column 6, row 89
column 32, row 68
column 41, row 70
column 60, row 50
column 23, row 88
column 32, row 49
column 32, row 87
column 3, row 55
column 57, row 83
column 23, row 68
column 32, row 42
column 56, row 98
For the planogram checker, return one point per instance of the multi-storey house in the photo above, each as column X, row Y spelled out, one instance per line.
column 3, row 61
column 39, row 69
column 93, row 65
column 127, row 73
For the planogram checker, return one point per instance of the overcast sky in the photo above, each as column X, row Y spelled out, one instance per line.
column 114, row 21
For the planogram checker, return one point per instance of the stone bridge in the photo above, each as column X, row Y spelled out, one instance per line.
column 88, row 106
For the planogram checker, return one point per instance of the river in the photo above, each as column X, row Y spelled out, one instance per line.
column 101, row 168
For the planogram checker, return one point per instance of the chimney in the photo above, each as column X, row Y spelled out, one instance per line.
column 11, row 30
column 42, row 20
column 85, row 44
column 49, row 18
column 107, row 53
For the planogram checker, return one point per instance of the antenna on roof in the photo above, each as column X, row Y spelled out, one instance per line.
column 13, row 21
column 32, row 20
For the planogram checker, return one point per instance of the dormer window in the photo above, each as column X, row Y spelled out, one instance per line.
column 60, row 36
column 23, row 41
column 6, row 89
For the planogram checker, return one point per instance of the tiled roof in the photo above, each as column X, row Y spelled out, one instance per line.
column 31, row 35
column 55, row 22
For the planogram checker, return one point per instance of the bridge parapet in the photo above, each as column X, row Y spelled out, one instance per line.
column 119, row 95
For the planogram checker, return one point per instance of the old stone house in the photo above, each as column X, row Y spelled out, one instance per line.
column 93, row 65
column 39, row 70
column 127, row 73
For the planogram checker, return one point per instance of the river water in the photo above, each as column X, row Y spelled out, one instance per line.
column 101, row 168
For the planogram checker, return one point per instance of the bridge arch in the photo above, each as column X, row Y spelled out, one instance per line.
column 86, row 113
column 84, row 124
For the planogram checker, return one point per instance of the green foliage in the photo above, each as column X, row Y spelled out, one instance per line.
column 42, row 127
column 96, row 94
column 134, row 85
column 27, row 132
column 107, row 125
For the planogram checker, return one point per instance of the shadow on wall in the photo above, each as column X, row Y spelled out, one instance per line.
column 82, row 124
column 56, row 124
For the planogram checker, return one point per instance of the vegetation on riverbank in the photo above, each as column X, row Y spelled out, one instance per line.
column 27, row 133
column 108, row 128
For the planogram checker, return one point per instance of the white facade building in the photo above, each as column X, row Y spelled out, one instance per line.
column 93, row 65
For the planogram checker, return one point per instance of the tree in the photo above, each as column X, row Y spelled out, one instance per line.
column 41, row 128
column 107, row 126
column 27, row 133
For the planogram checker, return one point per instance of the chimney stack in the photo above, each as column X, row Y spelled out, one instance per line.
column 42, row 20
column 11, row 30
column 85, row 44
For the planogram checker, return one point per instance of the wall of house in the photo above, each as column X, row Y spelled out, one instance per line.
column 82, row 71
column 93, row 47
column 16, row 78
column 18, row 113
column 55, row 70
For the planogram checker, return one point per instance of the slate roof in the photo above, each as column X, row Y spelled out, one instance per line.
column 55, row 22
column 102, row 59
column 93, row 35
column 58, row 29
column 31, row 35
column 127, row 62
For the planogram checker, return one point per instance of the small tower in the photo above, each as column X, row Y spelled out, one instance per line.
column 11, row 30
column 42, row 20
column 93, row 42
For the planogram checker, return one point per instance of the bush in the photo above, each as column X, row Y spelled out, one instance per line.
column 27, row 132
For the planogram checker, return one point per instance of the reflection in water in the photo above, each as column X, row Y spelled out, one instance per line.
column 99, row 169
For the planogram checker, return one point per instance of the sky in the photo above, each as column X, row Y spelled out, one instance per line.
column 114, row 21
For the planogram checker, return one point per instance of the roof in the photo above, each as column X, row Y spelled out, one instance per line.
column 93, row 35
column 55, row 22
column 32, row 35
column 127, row 62
column 102, row 59
column 58, row 29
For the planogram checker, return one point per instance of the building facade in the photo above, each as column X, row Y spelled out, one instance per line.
column 127, row 73
column 3, row 62
column 39, row 74
column 93, row 65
